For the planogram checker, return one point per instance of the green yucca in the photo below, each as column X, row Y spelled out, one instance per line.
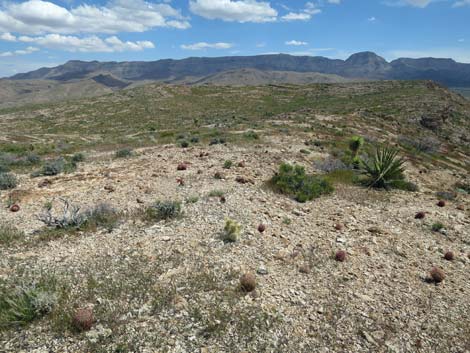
column 385, row 168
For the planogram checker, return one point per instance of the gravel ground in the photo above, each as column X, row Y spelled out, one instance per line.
column 172, row 286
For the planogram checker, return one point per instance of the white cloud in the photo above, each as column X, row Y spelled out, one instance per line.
column 299, row 16
column 26, row 51
column 461, row 40
column 295, row 43
column 372, row 19
column 8, row 37
column 204, row 45
column 234, row 10
column 336, row 2
column 41, row 17
column 303, row 15
column 461, row 3
column 413, row 3
column 86, row 44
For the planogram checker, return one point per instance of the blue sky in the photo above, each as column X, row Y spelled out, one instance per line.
column 38, row 33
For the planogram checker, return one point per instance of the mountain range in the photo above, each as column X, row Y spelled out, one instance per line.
column 103, row 77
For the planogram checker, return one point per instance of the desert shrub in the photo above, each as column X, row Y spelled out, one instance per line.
column 427, row 144
column 217, row 141
column 78, row 157
column 123, row 153
column 24, row 304
column 184, row 144
column 8, row 181
column 437, row 226
column 163, row 210
column 355, row 144
column 293, row 181
column 251, row 135
column 102, row 216
column 4, row 168
column 9, row 234
column 55, row 167
column 194, row 139
column 343, row 176
column 228, row 164
column 330, row 164
column 216, row 193
column 385, row 169
column 463, row 187
column 70, row 217
column 231, row 231
column 192, row 199
column 446, row 195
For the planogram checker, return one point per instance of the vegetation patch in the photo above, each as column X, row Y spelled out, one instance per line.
column 293, row 181
column 163, row 210
column 8, row 181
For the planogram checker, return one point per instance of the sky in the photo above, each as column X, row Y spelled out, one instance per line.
column 40, row 33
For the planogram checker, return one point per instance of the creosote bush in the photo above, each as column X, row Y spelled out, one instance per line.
column 8, row 181
column 163, row 210
column 293, row 181
column 231, row 231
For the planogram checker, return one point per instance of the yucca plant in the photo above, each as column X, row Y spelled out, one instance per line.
column 384, row 169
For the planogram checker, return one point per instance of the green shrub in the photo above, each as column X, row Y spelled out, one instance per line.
column 437, row 227
column 231, row 231
column 163, row 210
column 53, row 167
column 184, row 144
column 78, row 157
column 355, row 145
column 385, row 169
column 192, row 199
column 8, row 181
column 194, row 139
column 293, row 181
column 228, row 164
column 22, row 305
column 9, row 234
column 123, row 153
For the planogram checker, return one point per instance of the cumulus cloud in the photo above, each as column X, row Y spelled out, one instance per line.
column 296, row 43
column 86, row 44
column 234, row 10
column 8, row 37
column 26, row 51
column 41, row 17
column 204, row 45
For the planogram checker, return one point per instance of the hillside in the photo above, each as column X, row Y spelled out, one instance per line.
column 252, row 77
column 141, row 260
column 365, row 65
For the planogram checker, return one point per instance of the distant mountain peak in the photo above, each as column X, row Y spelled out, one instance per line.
column 364, row 58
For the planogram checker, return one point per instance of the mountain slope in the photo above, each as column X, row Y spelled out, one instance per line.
column 365, row 65
column 253, row 77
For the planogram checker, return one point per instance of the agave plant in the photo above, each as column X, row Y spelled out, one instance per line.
column 384, row 169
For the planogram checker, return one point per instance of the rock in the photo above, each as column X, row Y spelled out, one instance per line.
column 261, row 228
column 305, row 268
column 109, row 188
column 449, row 256
column 262, row 270
column 182, row 166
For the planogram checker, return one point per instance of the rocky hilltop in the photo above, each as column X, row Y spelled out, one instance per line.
column 169, row 218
